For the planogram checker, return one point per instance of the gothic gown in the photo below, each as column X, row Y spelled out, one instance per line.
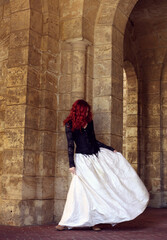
column 105, row 189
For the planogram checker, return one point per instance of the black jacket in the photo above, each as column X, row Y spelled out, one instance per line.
column 85, row 141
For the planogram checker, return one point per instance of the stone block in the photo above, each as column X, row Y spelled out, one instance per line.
column 62, row 164
column 2, row 120
column 70, row 9
column 36, row 5
column 64, row 102
column 58, row 209
column 152, row 158
column 78, row 83
column 4, row 49
column 117, row 38
column 116, row 125
column 44, row 211
column 33, row 96
column 17, row 76
column 54, row 63
column 16, row 95
column 48, row 165
column 117, row 71
column 5, row 28
column 31, row 163
column 29, row 187
column 34, row 57
column 102, row 104
column 17, row 5
column 65, row 84
column 132, row 157
column 49, row 141
column 33, row 139
column 132, row 109
column 15, row 116
column 19, row 38
column 102, row 68
column 102, row 52
column 71, row 28
column 20, row 20
column 131, row 131
column 107, row 14
column 32, row 118
column 10, row 212
column 50, row 44
column 132, row 144
column 2, row 136
column 18, row 57
column 45, row 188
column 127, row 6
column 48, row 100
column 14, row 138
column 61, row 144
column 61, row 188
column 48, row 120
column 51, row 25
column 35, row 39
column 117, row 107
column 36, row 20
column 88, row 30
column 116, row 89
column 152, row 72
column 153, row 121
column 102, row 122
column 6, row 10
column 62, row 115
column 153, row 109
column 33, row 77
column 66, row 62
column 11, row 187
column 49, row 81
column 102, row 35
column 132, row 120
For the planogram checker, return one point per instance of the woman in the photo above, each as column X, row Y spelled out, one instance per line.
column 104, row 188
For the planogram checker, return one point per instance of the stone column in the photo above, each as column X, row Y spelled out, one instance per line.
column 79, row 59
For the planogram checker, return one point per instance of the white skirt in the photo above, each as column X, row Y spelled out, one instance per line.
column 105, row 189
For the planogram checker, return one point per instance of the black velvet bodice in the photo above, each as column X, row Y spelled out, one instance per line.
column 85, row 141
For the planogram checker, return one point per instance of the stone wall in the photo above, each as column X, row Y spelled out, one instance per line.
column 54, row 52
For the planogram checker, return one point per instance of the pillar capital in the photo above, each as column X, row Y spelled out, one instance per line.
column 79, row 44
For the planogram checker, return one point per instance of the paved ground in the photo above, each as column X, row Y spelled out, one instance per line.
column 151, row 225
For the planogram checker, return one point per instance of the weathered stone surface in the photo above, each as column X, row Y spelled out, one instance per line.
column 36, row 16
column 19, row 38
column 18, row 57
column 15, row 116
column 102, row 68
column 33, row 97
column 45, row 187
column 58, row 209
column 20, row 20
column 104, row 119
column 49, row 141
column 31, row 163
column 32, row 117
column 16, row 95
column 74, row 31
column 61, row 187
column 102, row 34
column 17, row 5
column 17, row 76
column 33, row 139
column 48, row 120
column 62, row 164
column 48, row 100
column 14, row 138
column 102, row 104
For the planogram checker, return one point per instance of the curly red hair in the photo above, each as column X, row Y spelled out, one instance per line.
column 80, row 114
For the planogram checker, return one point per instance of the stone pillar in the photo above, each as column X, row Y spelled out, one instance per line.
column 79, row 59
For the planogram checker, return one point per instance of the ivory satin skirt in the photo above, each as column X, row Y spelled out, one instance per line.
column 105, row 189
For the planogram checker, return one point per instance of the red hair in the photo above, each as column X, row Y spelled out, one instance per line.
column 80, row 114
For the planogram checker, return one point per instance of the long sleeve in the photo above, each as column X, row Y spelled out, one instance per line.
column 70, row 142
column 100, row 144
